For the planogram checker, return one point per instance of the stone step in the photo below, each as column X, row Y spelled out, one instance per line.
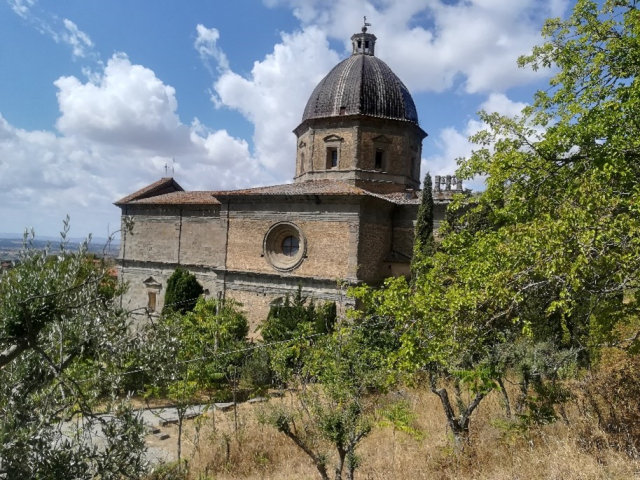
column 223, row 407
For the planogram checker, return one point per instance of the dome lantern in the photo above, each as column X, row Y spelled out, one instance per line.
column 363, row 43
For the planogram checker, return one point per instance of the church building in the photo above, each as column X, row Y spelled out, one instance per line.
column 347, row 218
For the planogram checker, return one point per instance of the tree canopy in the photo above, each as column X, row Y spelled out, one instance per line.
column 556, row 255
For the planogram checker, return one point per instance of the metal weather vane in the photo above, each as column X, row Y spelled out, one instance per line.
column 364, row 28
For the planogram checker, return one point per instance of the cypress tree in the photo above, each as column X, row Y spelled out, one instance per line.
column 183, row 291
column 424, row 242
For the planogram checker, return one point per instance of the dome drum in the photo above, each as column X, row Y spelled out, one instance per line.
column 370, row 150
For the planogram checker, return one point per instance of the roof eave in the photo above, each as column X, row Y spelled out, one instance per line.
column 164, row 185
column 307, row 122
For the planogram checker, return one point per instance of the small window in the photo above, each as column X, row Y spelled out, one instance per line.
column 151, row 303
column 290, row 246
column 379, row 163
column 343, row 110
column 359, row 44
column 332, row 157
column 366, row 46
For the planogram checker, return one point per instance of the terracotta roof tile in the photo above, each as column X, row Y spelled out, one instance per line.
column 318, row 187
column 167, row 192
column 164, row 185
column 179, row 198
column 400, row 198
column 413, row 197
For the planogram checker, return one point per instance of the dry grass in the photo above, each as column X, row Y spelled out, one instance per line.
column 549, row 452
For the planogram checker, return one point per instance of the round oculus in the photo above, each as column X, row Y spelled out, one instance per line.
column 284, row 246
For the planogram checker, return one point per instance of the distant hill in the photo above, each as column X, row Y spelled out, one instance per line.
column 47, row 238
column 10, row 245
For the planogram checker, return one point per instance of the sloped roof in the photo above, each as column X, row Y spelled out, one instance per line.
column 316, row 187
column 162, row 186
column 414, row 197
column 178, row 198
column 168, row 192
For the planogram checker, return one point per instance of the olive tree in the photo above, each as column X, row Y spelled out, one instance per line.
column 336, row 395
column 61, row 340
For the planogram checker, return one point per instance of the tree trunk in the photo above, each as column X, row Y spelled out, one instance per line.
column 320, row 466
column 235, row 406
column 524, row 391
column 342, row 453
column 351, row 473
column 213, row 414
column 351, row 470
column 180, row 418
column 12, row 352
column 459, row 424
column 505, row 397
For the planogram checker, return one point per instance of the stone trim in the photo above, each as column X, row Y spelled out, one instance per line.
column 272, row 246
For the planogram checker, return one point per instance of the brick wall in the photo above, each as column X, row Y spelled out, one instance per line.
column 327, row 247
column 347, row 147
column 255, row 306
column 203, row 241
column 137, row 294
column 375, row 244
column 256, row 292
column 152, row 238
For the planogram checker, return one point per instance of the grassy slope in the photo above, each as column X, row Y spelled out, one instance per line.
column 549, row 452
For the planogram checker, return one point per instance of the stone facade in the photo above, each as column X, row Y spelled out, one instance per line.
column 379, row 155
column 348, row 218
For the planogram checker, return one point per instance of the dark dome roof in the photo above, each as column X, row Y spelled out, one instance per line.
column 365, row 85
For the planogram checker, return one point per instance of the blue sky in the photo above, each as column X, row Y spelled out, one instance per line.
column 96, row 97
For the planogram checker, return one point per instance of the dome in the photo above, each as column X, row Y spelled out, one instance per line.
column 361, row 85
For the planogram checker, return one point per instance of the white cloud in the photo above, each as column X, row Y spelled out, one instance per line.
column 127, row 104
column 60, row 30
column 21, row 7
column 475, row 41
column 273, row 96
column 478, row 41
column 116, row 135
column 500, row 103
column 120, row 126
column 455, row 144
column 206, row 45
column 79, row 41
